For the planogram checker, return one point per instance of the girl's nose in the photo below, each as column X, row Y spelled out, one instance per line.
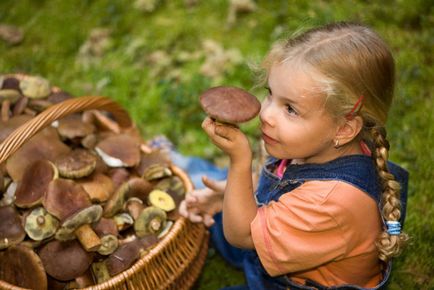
column 266, row 113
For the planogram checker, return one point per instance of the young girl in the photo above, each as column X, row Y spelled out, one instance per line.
column 328, row 207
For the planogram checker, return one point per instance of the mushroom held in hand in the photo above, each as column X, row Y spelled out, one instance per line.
column 229, row 104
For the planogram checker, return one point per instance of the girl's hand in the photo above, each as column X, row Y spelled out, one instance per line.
column 229, row 139
column 202, row 204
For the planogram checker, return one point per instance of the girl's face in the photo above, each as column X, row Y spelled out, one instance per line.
column 294, row 122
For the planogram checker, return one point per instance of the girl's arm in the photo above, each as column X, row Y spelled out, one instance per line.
column 239, row 205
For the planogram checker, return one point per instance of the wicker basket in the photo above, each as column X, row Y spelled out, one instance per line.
column 176, row 261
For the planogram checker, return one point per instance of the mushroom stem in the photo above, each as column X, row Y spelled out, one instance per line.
column 155, row 224
column 88, row 238
column 40, row 220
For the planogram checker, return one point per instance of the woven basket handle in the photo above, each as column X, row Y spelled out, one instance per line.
column 26, row 131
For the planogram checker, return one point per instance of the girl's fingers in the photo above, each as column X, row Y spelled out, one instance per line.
column 183, row 209
column 195, row 218
column 208, row 220
column 190, row 199
column 211, row 183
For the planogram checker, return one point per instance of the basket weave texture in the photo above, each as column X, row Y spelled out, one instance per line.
column 176, row 261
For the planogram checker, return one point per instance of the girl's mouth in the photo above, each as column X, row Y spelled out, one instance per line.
column 267, row 139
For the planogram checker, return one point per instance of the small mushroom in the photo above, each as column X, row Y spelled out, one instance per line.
column 156, row 171
column 72, row 127
column 22, row 267
column 11, row 229
column 134, row 207
column 161, row 199
column 123, row 221
column 119, row 151
column 70, row 203
column 11, row 83
column 151, row 220
column 34, row 184
column 40, row 225
column 174, row 186
column 134, row 187
column 107, row 230
column 229, row 104
column 65, row 260
column 35, row 87
column 76, row 163
column 153, row 157
column 57, row 96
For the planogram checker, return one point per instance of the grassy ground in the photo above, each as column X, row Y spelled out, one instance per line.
column 153, row 63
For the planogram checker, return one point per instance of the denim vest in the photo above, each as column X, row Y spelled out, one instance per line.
column 358, row 170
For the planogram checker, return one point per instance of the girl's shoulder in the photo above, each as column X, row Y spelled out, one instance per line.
column 320, row 192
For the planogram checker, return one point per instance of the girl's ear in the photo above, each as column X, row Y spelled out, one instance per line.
column 349, row 130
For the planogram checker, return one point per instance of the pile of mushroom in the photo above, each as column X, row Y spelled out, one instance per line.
column 83, row 199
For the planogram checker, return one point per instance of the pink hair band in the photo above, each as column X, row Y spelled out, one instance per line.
column 357, row 106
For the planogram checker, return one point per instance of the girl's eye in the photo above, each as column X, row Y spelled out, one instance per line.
column 290, row 110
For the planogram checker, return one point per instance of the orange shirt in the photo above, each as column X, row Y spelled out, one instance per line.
column 323, row 231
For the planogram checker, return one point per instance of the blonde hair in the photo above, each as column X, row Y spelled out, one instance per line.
column 353, row 61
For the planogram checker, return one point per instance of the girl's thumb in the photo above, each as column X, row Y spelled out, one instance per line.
column 210, row 183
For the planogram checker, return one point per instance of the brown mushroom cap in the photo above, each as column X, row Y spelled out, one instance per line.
column 76, row 163
column 11, row 229
column 10, row 83
column 98, row 186
column 44, row 145
column 65, row 260
column 34, row 184
column 123, row 257
column 230, row 104
column 57, row 96
column 72, row 127
column 154, row 157
column 22, row 267
column 123, row 149
column 8, row 127
column 70, row 203
column 64, row 198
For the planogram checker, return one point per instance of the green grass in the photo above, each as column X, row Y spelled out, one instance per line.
column 162, row 99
